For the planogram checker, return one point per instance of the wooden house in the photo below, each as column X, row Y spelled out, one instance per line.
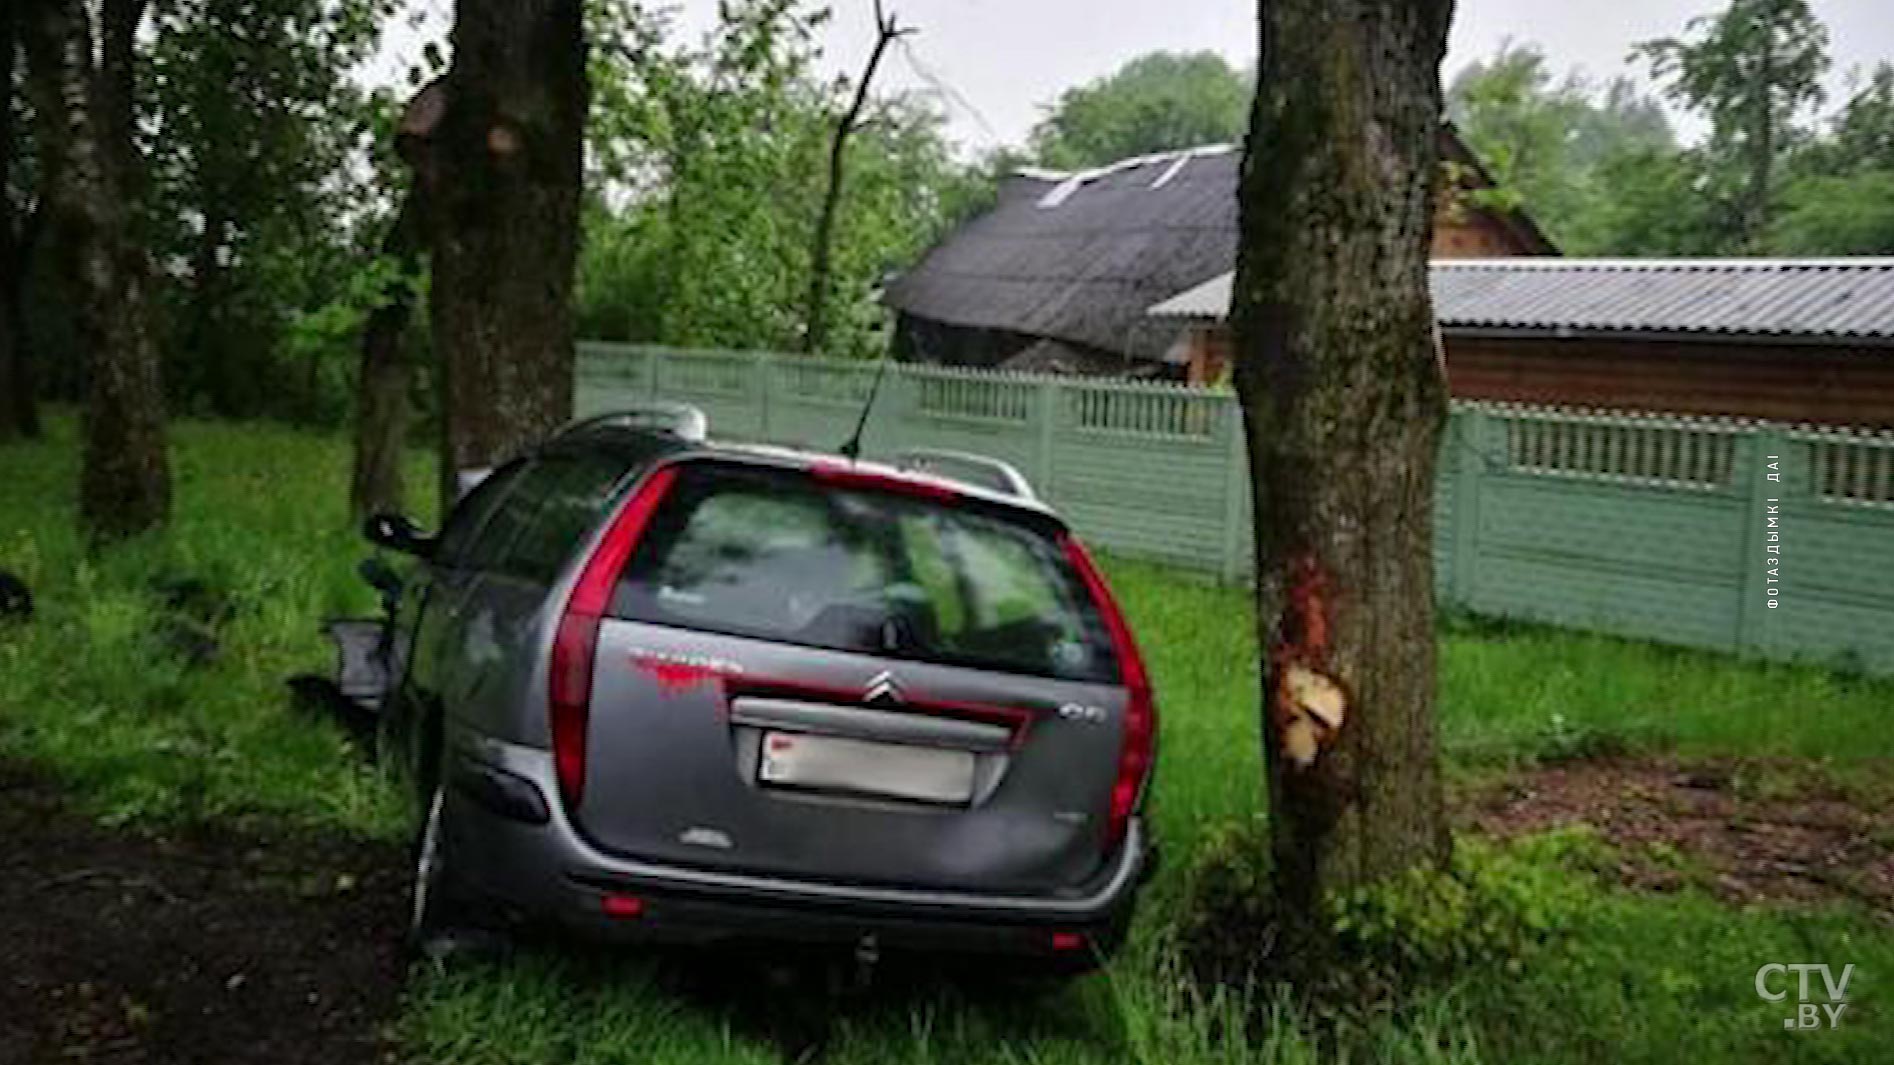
column 1791, row 340
column 1057, row 275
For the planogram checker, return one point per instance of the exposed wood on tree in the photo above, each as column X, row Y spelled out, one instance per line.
column 815, row 332
column 506, row 220
column 1344, row 398
column 90, row 181
column 386, row 372
column 19, row 412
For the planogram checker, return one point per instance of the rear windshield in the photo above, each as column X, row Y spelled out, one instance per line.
column 775, row 555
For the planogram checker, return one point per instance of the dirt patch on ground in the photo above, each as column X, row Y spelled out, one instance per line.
column 199, row 946
column 1748, row 831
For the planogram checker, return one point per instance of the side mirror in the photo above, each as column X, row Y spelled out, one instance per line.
column 380, row 576
column 399, row 533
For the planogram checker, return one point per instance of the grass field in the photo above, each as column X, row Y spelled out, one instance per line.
column 145, row 722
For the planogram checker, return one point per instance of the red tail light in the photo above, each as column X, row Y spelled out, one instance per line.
column 1066, row 942
column 575, row 642
column 1139, row 748
column 625, row 906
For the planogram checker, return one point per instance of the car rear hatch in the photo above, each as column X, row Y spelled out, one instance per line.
column 848, row 676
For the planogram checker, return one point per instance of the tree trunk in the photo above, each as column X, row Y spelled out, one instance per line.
column 86, row 125
column 19, row 412
column 815, row 331
column 19, row 407
column 381, row 407
column 1763, row 151
column 1343, row 393
column 219, row 371
column 506, row 227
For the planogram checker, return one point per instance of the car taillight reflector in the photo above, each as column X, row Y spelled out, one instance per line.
column 850, row 477
column 1066, row 942
column 1139, row 747
column 625, row 906
column 575, row 641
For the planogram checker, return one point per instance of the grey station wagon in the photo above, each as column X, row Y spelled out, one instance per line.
column 654, row 687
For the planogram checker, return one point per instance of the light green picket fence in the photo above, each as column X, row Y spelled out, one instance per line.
column 1658, row 527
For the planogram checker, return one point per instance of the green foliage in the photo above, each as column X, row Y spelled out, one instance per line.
column 1654, row 202
column 1554, row 146
column 256, row 186
column 1598, row 168
column 1753, row 71
column 1489, row 911
column 1840, row 196
column 1851, row 215
column 700, row 230
column 1565, row 740
column 1157, row 102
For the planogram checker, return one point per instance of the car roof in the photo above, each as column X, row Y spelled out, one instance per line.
column 645, row 443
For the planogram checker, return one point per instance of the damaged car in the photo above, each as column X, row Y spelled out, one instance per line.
column 648, row 686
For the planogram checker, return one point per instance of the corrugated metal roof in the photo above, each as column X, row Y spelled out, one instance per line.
column 1830, row 299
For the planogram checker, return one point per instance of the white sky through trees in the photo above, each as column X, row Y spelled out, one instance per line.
column 1004, row 60
column 1007, row 58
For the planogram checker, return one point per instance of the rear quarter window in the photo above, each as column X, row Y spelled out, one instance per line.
column 472, row 513
column 772, row 554
column 570, row 495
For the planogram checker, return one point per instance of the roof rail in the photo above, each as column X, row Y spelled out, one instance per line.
column 679, row 419
column 980, row 471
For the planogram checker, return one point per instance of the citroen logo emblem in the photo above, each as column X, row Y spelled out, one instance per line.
column 882, row 688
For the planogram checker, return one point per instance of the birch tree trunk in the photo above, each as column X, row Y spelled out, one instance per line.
column 1340, row 379
column 91, row 180
column 19, row 411
column 506, row 227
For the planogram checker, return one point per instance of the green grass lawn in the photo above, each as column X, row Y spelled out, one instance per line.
column 98, row 691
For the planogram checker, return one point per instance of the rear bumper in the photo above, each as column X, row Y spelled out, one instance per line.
column 548, row 871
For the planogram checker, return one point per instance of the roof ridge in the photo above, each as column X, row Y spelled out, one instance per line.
column 1046, row 173
column 1821, row 299
column 1518, row 263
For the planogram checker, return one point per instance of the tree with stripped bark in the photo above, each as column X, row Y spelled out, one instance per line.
column 80, row 72
column 1343, row 394
column 506, row 226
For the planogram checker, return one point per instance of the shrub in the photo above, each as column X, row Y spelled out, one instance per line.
column 1487, row 911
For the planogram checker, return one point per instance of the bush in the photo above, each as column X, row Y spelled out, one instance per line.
column 1487, row 911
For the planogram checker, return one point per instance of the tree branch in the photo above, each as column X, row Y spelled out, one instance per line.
column 815, row 318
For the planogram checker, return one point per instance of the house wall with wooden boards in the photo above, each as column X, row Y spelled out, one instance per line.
column 1827, row 384
column 1820, row 384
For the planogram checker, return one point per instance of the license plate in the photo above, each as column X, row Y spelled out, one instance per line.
column 894, row 770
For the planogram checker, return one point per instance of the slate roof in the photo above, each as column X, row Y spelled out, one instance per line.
column 1787, row 299
column 1083, row 267
column 1080, row 256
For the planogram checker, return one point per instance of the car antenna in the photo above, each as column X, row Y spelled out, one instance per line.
column 852, row 448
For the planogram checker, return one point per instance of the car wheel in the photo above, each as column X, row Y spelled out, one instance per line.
column 441, row 925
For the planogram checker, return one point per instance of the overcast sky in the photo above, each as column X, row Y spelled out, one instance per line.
column 1007, row 58
column 1002, row 61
